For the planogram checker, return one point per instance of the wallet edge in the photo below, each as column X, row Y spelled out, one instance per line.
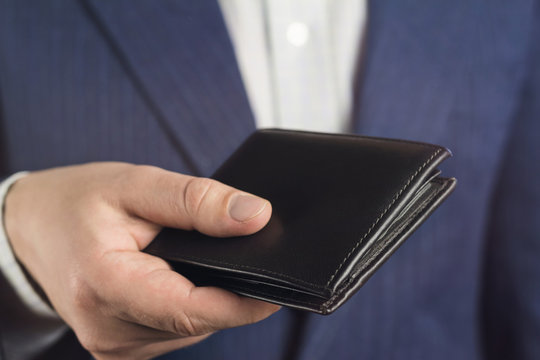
column 352, row 284
column 398, row 202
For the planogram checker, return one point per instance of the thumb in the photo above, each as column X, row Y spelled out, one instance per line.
column 187, row 202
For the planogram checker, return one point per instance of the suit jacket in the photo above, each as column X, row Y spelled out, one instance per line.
column 157, row 82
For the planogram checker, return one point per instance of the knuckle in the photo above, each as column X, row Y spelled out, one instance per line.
column 88, row 342
column 186, row 326
column 85, row 306
column 144, row 170
column 137, row 175
column 84, row 297
column 195, row 193
column 92, row 342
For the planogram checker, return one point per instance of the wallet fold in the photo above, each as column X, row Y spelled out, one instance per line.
column 342, row 204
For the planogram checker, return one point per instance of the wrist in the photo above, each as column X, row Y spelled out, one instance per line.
column 23, row 284
column 9, row 214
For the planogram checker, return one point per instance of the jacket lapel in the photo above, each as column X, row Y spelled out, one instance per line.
column 428, row 65
column 180, row 57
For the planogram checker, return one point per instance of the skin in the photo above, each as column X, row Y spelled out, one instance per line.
column 79, row 231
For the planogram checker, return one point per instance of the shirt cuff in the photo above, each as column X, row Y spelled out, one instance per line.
column 9, row 266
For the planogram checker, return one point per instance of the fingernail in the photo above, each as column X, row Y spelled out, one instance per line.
column 245, row 207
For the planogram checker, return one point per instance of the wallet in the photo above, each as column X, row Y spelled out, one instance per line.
column 341, row 205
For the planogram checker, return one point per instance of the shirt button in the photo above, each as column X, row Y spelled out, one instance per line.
column 297, row 33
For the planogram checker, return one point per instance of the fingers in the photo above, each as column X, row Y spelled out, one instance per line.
column 187, row 202
column 143, row 290
column 81, row 233
column 211, row 309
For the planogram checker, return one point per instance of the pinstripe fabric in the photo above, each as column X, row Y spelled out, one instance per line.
column 82, row 83
column 511, row 292
column 154, row 109
column 458, row 84
column 199, row 94
column 67, row 110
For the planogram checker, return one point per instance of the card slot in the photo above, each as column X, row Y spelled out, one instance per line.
column 202, row 275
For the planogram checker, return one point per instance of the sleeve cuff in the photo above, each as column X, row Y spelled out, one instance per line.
column 9, row 266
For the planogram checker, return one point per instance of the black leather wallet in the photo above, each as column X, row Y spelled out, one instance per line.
column 342, row 204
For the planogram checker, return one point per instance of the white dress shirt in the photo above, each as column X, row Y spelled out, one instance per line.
column 297, row 59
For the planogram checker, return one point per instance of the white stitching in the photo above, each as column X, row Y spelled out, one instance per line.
column 350, row 136
column 380, row 216
column 399, row 229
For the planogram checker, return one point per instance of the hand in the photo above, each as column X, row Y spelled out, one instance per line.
column 79, row 231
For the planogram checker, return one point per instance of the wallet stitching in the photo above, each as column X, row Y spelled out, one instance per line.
column 403, row 226
column 413, row 216
column 255, row 268
column 396, row 197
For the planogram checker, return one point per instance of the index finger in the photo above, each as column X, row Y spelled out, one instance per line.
column 147, row 292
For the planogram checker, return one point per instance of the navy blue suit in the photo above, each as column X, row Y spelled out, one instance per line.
column 156, row 82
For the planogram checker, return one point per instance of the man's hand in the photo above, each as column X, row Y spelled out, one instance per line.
column 79, row 231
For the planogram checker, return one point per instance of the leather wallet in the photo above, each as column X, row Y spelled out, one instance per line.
column 342, row 204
